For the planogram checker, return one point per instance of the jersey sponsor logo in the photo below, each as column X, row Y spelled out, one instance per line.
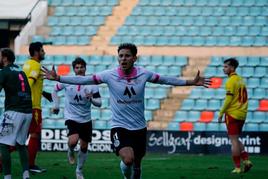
column 78, row 98
column 129, row 92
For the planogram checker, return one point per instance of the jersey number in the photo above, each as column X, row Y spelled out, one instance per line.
column 243, row 95
column 22, row 82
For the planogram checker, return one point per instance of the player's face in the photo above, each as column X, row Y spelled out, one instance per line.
column 227, row 69
column 80, row 69
column 126, row 59
column 41, row 54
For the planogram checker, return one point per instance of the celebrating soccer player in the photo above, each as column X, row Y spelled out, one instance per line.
column 77, row 112
column 126, row 86
column 235, row 109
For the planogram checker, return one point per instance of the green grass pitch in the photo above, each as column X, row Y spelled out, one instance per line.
column 155, row 166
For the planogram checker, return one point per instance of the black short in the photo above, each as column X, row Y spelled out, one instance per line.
column 135, row 139
column 84, row 130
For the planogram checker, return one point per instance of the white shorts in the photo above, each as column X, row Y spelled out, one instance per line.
column 14, row 127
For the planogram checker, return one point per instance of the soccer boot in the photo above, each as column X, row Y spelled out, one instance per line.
column 247, row 165
column 236, row 171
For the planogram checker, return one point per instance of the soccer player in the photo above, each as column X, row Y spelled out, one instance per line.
column 77, row 112
column 235, row 109
column 126, row 86
column 32, row 68
column 17, row 117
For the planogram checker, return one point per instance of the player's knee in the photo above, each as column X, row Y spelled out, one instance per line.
column 128, row 160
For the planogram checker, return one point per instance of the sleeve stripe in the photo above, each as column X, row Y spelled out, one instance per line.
column 156, row 78
column 32, row 78
column 57, row 87
column 96, row 79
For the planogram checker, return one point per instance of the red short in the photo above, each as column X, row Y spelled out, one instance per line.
column 36, row 123
column 234, row 126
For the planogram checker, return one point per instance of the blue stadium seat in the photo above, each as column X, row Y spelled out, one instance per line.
column 48, row 124
column 180, row 116
column 212, row 126
column 222, row 127
column 247, row 71
column 187, row 104
column 152, row 104
column 198, row 126
column 260, row 41
column 263, row 127
column 231, row 11
column 242, row 30
column 52, row 21
column 182, row 61
column 160, row 93
column 220, row 93
column 259, row 117
column 169, row 60
column 253, row 61
column 210, row 71
column 264, row 61
column 259, row 93
column 205, row 31
column 253, row 105
column 148, row 115
column 251, row 127
column 149, row 93
column 71, row 10
column 208, row 93
column 106, row 114
column 243, row 61
column 99, row 124
column 196, row 93
column 253, row 82
column 235, row 41
column 200, row 104
column 214, row 104
column 173, row 126
column 193, row 116
column 95, row 114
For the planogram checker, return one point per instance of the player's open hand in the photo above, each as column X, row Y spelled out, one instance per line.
column 50, row 74
column 201, row 81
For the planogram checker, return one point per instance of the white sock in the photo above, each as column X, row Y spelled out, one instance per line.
column 26, row 174
column 126, row 170
column 7, row 177
column 81, row 158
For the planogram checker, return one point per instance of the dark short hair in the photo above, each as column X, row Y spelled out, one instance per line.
column 79, row 60
column 130, row 46
column 35, row 47
column 232, row 62
column 7, row 52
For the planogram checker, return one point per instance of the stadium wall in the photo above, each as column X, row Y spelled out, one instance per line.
column 168, row 142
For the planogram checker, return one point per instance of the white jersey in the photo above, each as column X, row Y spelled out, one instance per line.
column 126, row 93
column 77, row 105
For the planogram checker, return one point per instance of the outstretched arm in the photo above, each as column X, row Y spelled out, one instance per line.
column 78, row 80
column 197, row 81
